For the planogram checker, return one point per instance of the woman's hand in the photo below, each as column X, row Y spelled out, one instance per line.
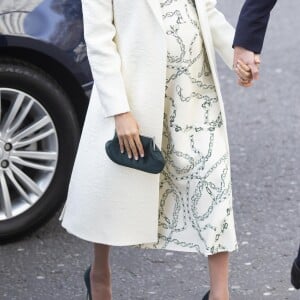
column 129, row 135
column 244, row 72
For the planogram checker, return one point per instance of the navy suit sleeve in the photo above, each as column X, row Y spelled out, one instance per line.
column 252, row 24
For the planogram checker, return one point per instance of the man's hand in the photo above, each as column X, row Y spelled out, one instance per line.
column 250, row 59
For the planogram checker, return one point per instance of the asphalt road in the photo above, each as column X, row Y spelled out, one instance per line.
column 264, row 130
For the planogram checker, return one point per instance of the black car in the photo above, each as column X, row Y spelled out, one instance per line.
column 45, row 83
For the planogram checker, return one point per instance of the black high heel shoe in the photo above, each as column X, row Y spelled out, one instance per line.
column 206, row 296
column 87, row 280
column 295, row 275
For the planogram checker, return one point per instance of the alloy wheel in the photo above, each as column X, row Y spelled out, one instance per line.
column 28, row 152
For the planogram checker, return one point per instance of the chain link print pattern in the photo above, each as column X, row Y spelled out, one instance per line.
column 195, row 211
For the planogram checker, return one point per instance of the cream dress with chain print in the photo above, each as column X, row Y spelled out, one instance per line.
column 195, row 212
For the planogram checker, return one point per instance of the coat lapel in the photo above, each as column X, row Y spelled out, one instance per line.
column 205, row 30
column 156, row 9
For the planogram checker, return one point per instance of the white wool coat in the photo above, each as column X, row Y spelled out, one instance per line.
column 126, row 46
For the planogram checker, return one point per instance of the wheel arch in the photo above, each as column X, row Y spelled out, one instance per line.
column 56, row 70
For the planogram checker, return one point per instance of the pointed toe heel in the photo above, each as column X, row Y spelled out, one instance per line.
column 295, row 276
column 87, row 280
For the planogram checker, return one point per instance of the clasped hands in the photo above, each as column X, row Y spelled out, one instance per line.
column 246, row 65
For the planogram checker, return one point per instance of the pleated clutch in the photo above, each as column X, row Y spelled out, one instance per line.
column 152, row 162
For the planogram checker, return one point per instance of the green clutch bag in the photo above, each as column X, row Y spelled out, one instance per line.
column 153, row 161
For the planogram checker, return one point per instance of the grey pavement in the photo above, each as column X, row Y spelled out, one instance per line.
column 264, row 131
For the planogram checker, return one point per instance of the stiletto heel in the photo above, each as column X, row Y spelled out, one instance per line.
column 206, row 296
column 87, row 280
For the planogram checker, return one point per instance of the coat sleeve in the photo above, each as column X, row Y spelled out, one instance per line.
column 222, row 32
column 252, row 24
column 104, row 59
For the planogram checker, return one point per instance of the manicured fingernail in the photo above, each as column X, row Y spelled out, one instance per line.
column 129, row 156
column 142, row 155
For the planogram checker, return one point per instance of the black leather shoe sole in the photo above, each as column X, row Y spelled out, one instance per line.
column 295, row 276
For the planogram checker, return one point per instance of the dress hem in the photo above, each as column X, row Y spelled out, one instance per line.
column 139, row 245
column 189, row 250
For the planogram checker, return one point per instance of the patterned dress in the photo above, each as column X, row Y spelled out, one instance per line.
column 195, row 212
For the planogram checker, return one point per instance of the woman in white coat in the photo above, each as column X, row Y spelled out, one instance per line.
column 154, row 72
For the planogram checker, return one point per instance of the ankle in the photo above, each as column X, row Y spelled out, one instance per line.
column 102, row 275
column 219, row 295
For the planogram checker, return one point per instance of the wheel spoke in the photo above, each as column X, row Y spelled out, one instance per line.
column 34, row 139
column 6, row 197
column 18, row 186
column 35, row 154
column 9, row 117
column 28, row 152
column 29, row 164
column 26, row 180
column 0, row 107
column 19, row 119
column 31, row 129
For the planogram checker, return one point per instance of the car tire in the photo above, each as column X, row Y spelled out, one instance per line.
column 50, row 100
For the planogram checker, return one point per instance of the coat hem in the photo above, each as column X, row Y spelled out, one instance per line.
column 110, row 243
